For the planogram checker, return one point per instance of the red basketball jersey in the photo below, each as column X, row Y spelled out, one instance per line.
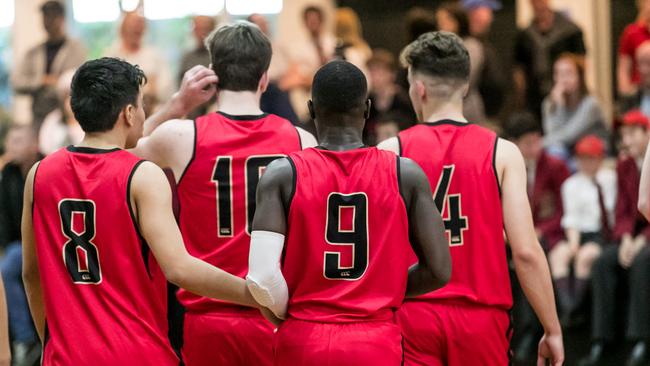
column 105, row 295
column 347, row 250
column 217, row 191
column 458, row 158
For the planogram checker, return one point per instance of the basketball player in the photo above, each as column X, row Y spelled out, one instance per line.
column 93, row 216
column 218, row 160
column 480, row 188
column 347, row 211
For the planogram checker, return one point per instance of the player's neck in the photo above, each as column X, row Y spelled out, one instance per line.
column 438, row 111
column 340, row 138
column 239, row 103
column 102, row 140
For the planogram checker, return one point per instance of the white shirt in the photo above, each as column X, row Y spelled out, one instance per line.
column 580, row 201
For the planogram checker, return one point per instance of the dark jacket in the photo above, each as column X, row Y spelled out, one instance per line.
column 628, row 218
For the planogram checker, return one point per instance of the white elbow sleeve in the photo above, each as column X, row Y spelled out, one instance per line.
column 264, row 278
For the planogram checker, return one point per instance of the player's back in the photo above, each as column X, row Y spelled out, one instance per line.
column 105, row 295
column 217, row 191
column 459, row 160
column 347, row 251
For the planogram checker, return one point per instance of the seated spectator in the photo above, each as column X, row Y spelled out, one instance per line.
column 451, row 17
column 569, row 111
column 633, row 36
column 418, row 20
column 350, row 44
column 589, row 197
column 202, row 26
column 21, row 147
column 38, row 72
column 386, row 96
column 537, row 47
column 628, row 263
column 60, row 128
column 641, row 97
column 545, row 177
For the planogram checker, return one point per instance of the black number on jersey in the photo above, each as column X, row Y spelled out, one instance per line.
column 80, row 255
column 357, row 236
column 222, row 176
column 455, row 222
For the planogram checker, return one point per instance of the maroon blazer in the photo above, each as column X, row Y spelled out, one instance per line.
column 628, row 218
column 546, row 199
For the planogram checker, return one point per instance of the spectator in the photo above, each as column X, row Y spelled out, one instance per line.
column 419, row 21
column 545, row 177
column 275, row 99
column 21, row 146
column 641, row 97
column 631, row 257
column 60, row 128
column 306, row 57
column 38, row 72
column 387, row 97
column 492, row 81
column 538, row 47
column 569, row 111
column 350, row 43
column 633, row 36
column 589, row 197
column 451, row 17
column 202, row 26
column 130, row 47
column 386, row 128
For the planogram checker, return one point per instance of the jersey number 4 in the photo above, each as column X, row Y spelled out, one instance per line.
column 80, row 255
column 222, row 177
column 347, row 224
column 455, row 222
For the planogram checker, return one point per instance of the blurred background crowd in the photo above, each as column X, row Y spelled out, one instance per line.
column 568, row 82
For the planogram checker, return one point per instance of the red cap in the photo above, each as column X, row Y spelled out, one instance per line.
column 635, row 118
column 591, row 146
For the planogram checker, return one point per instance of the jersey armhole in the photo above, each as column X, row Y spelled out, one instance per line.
column 34, row 188
column 294, row 178
column 398, row 171
column 494, row 164
column 399, row 147
column 193, row 154
column 144, row 247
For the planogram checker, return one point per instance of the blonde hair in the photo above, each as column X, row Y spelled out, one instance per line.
column 348, row 28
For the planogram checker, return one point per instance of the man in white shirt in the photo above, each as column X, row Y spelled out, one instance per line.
column 588, row 197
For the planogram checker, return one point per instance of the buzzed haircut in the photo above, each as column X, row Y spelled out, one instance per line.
column 520, row 124
column 339, row 87
column 438, row 54
column 240, row 54
column 101, row 88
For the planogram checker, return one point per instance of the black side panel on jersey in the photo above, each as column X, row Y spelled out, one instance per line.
column 144, row 247
column 193, row 154
column 293, row 185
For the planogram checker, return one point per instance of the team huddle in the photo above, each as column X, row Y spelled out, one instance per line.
column 357, row 255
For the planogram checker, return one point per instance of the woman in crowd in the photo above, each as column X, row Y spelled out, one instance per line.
column 350, row 43
column 570, row 112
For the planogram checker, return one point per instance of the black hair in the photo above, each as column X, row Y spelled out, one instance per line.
column 339, row 87
column 101, row 88
column 53, row 7
column 419, row 21
column 313, row 9
column 520, row 124
column 459, row 14
column 438, row 54
column 240, row 54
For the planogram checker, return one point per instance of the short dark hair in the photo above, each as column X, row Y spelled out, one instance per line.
column 459, row 14
column 438, row 54
column 520, row 124
column 313, row 9
column 53, row 7
column 101, row 88
column 419, row 21
column 339, row 87
column 240, row 54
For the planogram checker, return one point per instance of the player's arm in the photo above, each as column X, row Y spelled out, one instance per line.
column 530, row 263
column 152, row 200
column 5, row 354
column 265, row 279
column 644, row 186
column 426, row 232
column 199, row 84
column 391, row 144
column 31, row 274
